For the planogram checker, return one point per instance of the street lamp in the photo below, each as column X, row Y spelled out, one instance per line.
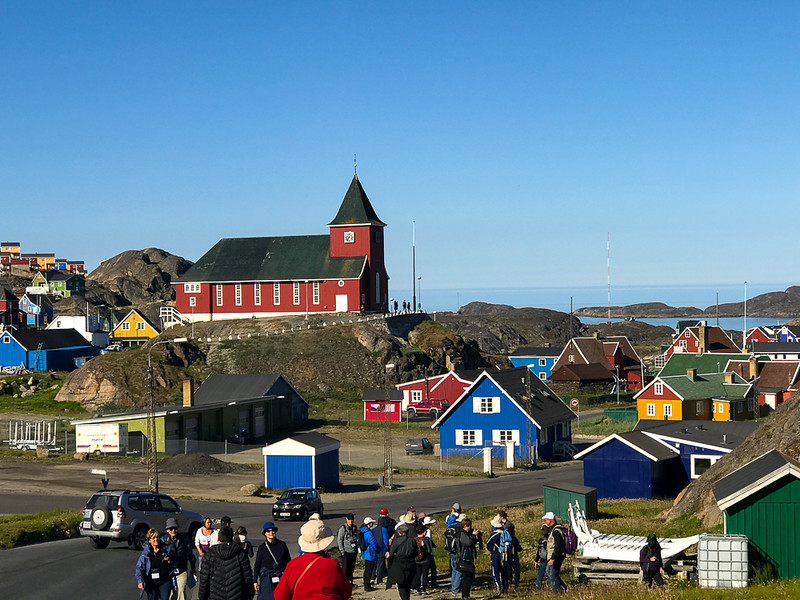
column 152, row 454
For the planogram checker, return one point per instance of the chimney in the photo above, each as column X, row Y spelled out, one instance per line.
column 702, row 334
column 691, row 374
column 188, row 392
column 753, row 367
column 729, row 377
column 597, row 335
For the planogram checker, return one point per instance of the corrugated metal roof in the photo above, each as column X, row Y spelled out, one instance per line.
column 709, row 433
column 381, row 395
column 744, row 481
column 285, row 258
column 222, row 387
column 51, row 339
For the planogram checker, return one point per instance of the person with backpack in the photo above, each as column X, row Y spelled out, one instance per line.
column 450, row 535
column 383, row 530
column 422, row 560
column 496, row 547
column 432, row 580
column 401, row 558
column 651, row 562
column 541, row 556
column 512, row 558
column 370, row 550
column 271, row 560
column 347, row 540
column 556, row 553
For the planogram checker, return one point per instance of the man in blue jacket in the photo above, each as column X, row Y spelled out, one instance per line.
column 383, row 530
column 450, row 535
column 370, row 550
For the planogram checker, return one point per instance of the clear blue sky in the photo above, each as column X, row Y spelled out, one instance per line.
column 516, row 134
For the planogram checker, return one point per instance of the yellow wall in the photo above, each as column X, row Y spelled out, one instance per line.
column 11, row 250
column 133, row 332
column 723, row 412
column 641, row 408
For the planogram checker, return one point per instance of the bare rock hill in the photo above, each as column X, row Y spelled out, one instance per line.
column 136, row 276
column 781, row 431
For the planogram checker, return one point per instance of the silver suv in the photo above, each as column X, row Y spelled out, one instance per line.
column 126, row 516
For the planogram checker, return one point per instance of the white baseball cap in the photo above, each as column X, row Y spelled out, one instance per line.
column 368, row 520
column 550, row 516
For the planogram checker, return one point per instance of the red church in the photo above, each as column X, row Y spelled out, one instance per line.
column 342, row 271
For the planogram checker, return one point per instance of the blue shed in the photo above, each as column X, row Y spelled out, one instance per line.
column 539, row 360
column 303, row 460
column 44, row 350
column 503, row 406
column 633, row 465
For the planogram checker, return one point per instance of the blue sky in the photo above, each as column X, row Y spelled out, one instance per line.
column 516, row 135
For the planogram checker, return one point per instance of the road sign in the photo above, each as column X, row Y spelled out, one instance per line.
column 574, row 402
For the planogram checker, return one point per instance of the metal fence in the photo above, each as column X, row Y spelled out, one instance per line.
column 187, row 446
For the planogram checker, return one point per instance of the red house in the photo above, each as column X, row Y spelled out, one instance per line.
column 383, row 405
column 760, row 334
column 448, row 387
column 587, row 360
column 10, row 313
column 777, row 381
column 702, row 339
column 341, row 271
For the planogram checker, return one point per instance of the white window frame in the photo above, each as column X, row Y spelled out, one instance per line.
column 219, row 294
column 694, row 457
column 296, row 293
column 140, row 326
column 192, row 301
column 469, row 437
column 651, row 410
column 486, row 405
column 257, row 294
column 126, row 326
column 315, row 292
column 349, row 237
column 687, row 334
column 658, row 388
column 542, row 362
column 416, row 395
column 543, row 376
column 667, row 410
column 571, row 358
column 698, row 408
column 501, row 436
column 6, row 339
column 276, row 294
column 714, row 407
column 238, row 296
column 191, row 288
column 682, row 344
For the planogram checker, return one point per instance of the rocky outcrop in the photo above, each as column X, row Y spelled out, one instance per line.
column 136, row 276
column 94, row 388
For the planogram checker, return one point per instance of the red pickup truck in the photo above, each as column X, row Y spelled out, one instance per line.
column 432, row 408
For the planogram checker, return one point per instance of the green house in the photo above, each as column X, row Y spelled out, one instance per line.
column 59, row 283
column 762, row 501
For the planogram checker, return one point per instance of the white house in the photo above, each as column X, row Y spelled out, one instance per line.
column 89, row 326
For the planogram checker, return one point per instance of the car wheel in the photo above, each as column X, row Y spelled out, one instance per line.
column 411, row 413
column 321, row 511
column 100, row 518
column 304, row 514
column 139, row 538
column 434, row 414
column 99, row 542
column 193, row 531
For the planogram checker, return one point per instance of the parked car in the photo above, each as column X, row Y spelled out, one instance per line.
column 419, row 446
column 297, row 503
column 432, row 408
column 125, row 516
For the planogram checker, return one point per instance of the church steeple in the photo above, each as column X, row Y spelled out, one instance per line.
column 356, row 208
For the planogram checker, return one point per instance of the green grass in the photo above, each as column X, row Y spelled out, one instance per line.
column 43, row 401
column 601, row 426
column 22, row 530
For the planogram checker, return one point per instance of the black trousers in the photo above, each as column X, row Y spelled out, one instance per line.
column 650, row 576
column 369, row 567
column 420, row 581
column 467, row 579
column 348, row 560
column 380, row 569
column 432, row 573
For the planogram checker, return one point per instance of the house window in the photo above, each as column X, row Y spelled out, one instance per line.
column 714, row 407
column 238, row 294
column 276, row 294
column 667, row 410
column 543, row 376
column 542, row 362
column 651, row 410
column 571, row 358
column 140, row 326
column 296, row 293
column 485, row 405
column 6, row 339
column 687, row 334
column 315, row 292
column 192, row 301
column 191, row 288
column 469, row 437
column 219, row 294
column 721, row 408
column 257, row 294
column 565, row 430
column 682, row 344
column 658, row 389
column 659, row 362
column 377, row 236
column 502, row 436
column 377, row 287
column 750, row 404
column 739, row 407
column 544, row 438
column 701, row 464
column 416, row 395
column 349, row 237
column 698, row 408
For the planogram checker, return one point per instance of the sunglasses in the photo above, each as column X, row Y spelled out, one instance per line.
column 172, row 529
column 270, row 531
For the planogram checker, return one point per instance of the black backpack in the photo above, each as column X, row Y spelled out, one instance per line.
column 450, row 538
column 362, row 543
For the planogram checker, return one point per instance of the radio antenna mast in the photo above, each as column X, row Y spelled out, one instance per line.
column 608, row 270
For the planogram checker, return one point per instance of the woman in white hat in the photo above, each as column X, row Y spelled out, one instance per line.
column 314, row 575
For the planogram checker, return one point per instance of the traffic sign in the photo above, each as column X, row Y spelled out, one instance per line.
column 574, row 402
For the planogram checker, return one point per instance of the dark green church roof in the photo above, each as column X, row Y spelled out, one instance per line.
column 284, row 258
column 356, row 208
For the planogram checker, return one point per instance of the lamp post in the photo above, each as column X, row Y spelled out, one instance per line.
column 152, row 451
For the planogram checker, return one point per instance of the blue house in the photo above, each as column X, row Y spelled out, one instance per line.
column 539, row 360
column 632, row 465
column 658, row 459
column 503, row 406
column 44, row 350
column 38, row 309
column 304, row 460
column 789, row 333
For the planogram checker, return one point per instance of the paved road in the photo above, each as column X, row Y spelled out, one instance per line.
column 72, row 569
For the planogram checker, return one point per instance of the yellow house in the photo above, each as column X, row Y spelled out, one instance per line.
column 135, row 328
column 12, row 248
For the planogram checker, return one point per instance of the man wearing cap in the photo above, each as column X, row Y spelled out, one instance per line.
column 347, row 540
column 184, row 557
column 271, row 560
column 370, row 552
column 314, row 575
column 384, row 529
column 450, row 537
column 556, row 552
column 413, row 512
column 225, row 521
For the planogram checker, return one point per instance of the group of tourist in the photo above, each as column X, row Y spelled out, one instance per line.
column 395, row 553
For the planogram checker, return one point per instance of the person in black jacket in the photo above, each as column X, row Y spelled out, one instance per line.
column 651, row 562
column 185, row 562
column 467, row 543
column 226, row 573
column 401, row 559
column 271, row 560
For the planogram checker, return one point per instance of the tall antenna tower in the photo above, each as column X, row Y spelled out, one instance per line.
column 608, row 272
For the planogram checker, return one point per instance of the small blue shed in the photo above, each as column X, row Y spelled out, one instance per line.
column 633, row 465
column 303, row 460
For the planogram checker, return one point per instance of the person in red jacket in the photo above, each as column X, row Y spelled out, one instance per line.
column 314, row 575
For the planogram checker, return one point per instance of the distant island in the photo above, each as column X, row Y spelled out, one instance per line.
column 784, row 304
